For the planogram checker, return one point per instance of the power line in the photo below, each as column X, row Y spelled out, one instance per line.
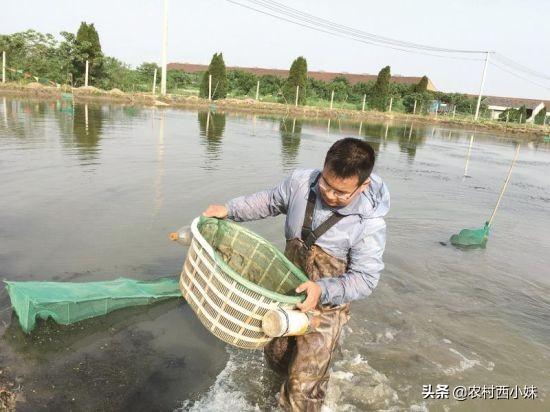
column 518, row 66
column 519, row 76
column 298, row 14
column 297, row 17
column 323, row 30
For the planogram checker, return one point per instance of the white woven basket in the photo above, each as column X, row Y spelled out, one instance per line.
column 227, row 303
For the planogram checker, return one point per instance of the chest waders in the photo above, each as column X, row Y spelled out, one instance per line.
column 306, row 359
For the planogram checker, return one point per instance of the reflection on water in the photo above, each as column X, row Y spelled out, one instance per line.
column 212, row 126
column 87, row 128
column 160, row 166
column 439, row 315
column 290, row 130
column 81, row 129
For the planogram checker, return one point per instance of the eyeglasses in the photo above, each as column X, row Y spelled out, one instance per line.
column 323, row 184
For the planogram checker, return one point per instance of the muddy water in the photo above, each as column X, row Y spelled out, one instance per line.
column 92, row 194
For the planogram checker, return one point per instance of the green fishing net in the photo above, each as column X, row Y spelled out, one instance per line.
column 251, row 258
column 70, row 302
column 471, row 238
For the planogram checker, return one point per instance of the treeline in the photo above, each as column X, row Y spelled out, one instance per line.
column 377, row 94
column 33, row 56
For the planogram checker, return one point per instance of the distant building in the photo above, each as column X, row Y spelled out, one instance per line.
column 324, row 76
column 498, row 105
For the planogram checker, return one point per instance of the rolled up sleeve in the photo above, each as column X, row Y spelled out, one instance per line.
column 262, row 204
column 365, row 265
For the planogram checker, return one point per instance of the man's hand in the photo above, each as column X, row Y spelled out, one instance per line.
column 218, row 211
column 313, row 292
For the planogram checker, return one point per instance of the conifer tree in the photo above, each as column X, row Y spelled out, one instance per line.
column 219, row 78
column 381, row 90
column 422, row 85
column 297, row 76
column 87, row 47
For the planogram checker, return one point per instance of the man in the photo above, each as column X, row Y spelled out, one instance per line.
column 335, row 232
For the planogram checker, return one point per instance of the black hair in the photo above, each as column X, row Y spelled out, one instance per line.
column 350, row 157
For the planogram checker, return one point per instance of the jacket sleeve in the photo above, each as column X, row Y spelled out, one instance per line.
column 262, row 204
column 365, row 265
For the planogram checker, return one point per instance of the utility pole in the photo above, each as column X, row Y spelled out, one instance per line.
column 209, row 87
column 414, row 107
column 482, row 84
column 164, row 47
column 257, row 90
column 331, row 99
column 391, row 102
column 363, row 105
column 155, row 82
column 297, row 93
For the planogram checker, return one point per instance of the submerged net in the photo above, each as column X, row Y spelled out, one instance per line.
column 470, row 238
column 70, row 302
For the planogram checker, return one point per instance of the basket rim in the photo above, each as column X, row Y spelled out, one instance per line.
column 242, row 280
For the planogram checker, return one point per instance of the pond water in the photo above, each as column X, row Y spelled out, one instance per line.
column 92, row 194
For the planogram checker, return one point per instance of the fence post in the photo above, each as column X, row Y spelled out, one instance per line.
column 209, row 87
column 454, row 111
column 155, row 82
column 414, row 107
column 86, row 75
column 391, row 102
column 364, row 99
column 331, row 99
column 297, row 94
column 257, row 90
column 4, row 66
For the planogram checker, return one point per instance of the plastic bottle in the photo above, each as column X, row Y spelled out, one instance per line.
column 285, row 322
column 183, row 236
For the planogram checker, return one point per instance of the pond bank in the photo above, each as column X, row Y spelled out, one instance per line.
column 90, row 93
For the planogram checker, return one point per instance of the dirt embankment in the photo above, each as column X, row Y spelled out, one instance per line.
column 90, row 93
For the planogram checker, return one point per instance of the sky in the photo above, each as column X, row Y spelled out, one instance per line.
column 132, row 32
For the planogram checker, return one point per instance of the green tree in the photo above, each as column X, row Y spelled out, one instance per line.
column 381, row 90
column 514, row 115
column 241, row 82
column 270, row 85
column 318, row 89
column 31, row 54
column 87, row 48
column 540, row 118
column 219, row 78
column 341, row 87
column 422, row 85
column 297, row 76
column 118, row 74
column 360, row 89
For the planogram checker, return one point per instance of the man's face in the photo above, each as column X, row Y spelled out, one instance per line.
column 337, row 191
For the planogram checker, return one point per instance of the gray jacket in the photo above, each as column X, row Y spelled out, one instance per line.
column 359, row 238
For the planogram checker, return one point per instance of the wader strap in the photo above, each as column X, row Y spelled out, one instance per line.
column 309, row 236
